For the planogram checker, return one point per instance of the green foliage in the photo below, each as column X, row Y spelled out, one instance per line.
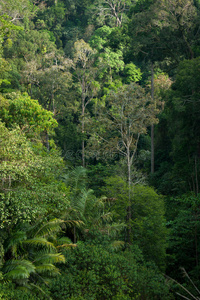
column 84, row 206
column 105, row 43
column 96, row 272
column 119, row 123
column 182, row 112
column 29, row 187
column 147, row 216
column 31, row 253
column 111, row 13
column 52, row 19
column 149, row 225
column 28, row 114
column 133, row 73
column 184, row 234
column 164, row 30
column 110, row 61
column 8, row 291
column 6, row 29
column 17, row 10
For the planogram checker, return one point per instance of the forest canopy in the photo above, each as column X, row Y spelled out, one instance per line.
column 99, row 149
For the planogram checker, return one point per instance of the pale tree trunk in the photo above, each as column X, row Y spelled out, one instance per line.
column 152, row 126
column 129, row 194
column 130, row 156
column 83, row 131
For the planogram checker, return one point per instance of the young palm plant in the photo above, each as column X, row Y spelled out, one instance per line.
column 84, row 206
column 31, row 254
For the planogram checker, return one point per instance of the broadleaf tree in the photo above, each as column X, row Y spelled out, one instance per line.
column 85, row 75
column 125, row 118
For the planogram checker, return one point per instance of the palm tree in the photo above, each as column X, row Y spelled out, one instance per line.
column 85, row 207
column 31, row 253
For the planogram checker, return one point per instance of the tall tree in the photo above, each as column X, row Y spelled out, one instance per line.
column 111, row 12
column 164, row 31
column 85, row 73
column 182, row 111
column 128, row 114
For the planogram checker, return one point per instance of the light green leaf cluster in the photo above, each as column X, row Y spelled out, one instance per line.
column 28, row 114
column 28, row 179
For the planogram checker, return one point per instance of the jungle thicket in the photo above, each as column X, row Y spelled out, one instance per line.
column 99, row 149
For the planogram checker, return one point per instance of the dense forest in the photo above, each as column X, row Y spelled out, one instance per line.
column 99, row 149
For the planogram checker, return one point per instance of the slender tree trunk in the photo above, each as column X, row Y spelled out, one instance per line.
column 152, row 126
column 196, row 176
column 129, row 195
column 74, row 234
column 83, row 153
column 83, row 131
column 196, row 241
column 53, row 100
column 31, row 91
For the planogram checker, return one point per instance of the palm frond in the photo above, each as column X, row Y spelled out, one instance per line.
column 50, row 227
column 19, row 272
column 76, row 179
column 67, row 246
column 102, row 218
column 114, row 228
column 48, row 268
column 52, row 258
column 64, row 240
column 18, row 269
column 39, row 242
column 65, row 243
column 13, row 242
column 76, row 223
column 117, row 245
column 11, row 264
column 107, row 217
